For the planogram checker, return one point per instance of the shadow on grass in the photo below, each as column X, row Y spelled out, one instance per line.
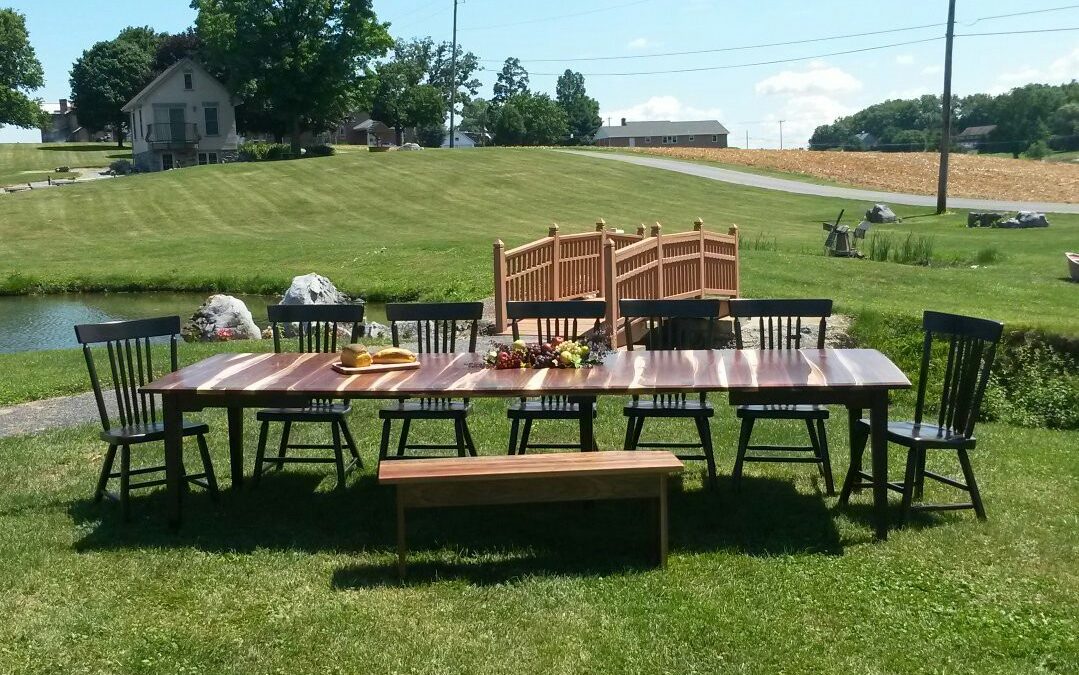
column 481, row 544
column 83, row 147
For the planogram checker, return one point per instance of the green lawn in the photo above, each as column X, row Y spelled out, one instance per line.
column 371, row 221
column 24, row 162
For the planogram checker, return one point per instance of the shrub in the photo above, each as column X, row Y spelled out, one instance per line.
column 320, row 150
column 121, row 167
column 261, row 151
column 1037, row 150
column 914, row 250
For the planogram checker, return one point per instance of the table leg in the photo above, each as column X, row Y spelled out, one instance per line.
column 662, row 521
column 878, row 423
column 584, row 407
column 174, row 460
column 236, row 445
column 854, row 415
column 402, row 548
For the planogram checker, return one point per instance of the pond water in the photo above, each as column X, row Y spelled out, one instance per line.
column 36, row 322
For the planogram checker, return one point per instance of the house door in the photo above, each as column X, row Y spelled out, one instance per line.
column 169, row 123
column 632, row 142
column 166, row 161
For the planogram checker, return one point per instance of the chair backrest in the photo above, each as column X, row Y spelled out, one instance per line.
column 131, row 364
column 567, row 319
column 972, row 346
column 437, row 323
column 316, row 326
column 780, row 321
column 666, row 322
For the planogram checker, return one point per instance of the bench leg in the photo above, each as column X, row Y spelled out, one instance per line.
column 402, row 548
column 662, row 521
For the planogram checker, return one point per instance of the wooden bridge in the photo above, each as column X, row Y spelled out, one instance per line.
column 609, row 264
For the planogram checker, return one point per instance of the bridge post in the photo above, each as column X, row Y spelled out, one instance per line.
column 733, row 231
column 556, row 263
column 658, row 234
column 500, row 285
column 698, row 227
column 601, row 228
column 610, row 294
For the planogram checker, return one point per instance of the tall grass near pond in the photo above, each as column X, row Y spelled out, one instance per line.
column 913, row 250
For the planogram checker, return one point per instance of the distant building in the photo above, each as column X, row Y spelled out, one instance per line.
column 695, row 134
column 972, row 138
column 461, row 139
column 867, row 140
column 359, row 129
column 63, row 124
column 184, row 117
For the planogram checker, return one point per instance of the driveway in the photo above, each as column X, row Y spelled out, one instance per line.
column 798, row 187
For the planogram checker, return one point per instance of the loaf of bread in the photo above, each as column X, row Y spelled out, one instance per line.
column 394, row 355
column 355, row 356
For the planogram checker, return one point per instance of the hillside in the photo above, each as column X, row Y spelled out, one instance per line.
column 408, row 225
column 25, row 162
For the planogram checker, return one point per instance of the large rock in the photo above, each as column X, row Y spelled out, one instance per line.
column 983, row 219
column 1032, row 219
column 880, row 213
column 313, row 289
column 221, row 317
column 411, row 146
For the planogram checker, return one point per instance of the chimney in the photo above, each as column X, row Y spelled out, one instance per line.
column 623, row 121
column 63, row 106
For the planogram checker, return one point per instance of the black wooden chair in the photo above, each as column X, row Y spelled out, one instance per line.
column 316, row 330
column 668, row 326
column 566, row 319
column 972, row 345
column 779, row 323
column 436, row 328
column 131, row 365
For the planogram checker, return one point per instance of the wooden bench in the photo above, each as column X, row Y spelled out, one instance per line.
column 517, row 479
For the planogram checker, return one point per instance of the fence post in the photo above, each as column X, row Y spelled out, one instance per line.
column 601, row 228
column 733, row 231
column 657, row 233
column 698, row 227
column 609, row 293
column 556, row 282
column 500, row 285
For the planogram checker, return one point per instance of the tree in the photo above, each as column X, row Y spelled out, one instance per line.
column 431, row 135
column 434, row 67
column 1065, row 120
column 528, row 118
column 401, row 100
column 172, row 48
column 510, row 128
column 143, row 37
column 480, row 117
column 298, row 64
column 582, row 111
column 20, row 74
column 103, row 79
column 511, row 81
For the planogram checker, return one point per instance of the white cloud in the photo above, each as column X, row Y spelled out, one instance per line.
column 932, row 70
column 662, row 108
column 1063, row 69
column 817, row 78
column 905, row 59
column 802, row 114
column 640, row 43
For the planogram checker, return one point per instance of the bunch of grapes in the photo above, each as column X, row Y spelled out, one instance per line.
column 557, row 353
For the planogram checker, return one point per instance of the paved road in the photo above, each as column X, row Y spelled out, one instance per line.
column 798, row 187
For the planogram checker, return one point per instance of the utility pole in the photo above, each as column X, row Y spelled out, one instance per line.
column 453, row 73
column 747, row 139
column 946, row 127
column 781, row 133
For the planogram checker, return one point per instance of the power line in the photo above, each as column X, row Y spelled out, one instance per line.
column 1018, row 32
column 561, row 16
column 1033, row 11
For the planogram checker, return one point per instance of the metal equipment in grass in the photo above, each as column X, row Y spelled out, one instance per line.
column 566, row 319
column 665, row 323
column 972, row 345
column 129, row 348
column 841, row 239
column 437, row 326
column 317, row 329
column 780, row 325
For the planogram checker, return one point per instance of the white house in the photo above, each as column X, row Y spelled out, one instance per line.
column 184, row 117
column 460, row 140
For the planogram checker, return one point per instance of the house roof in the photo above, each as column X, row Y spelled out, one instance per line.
column 662, row 128
column 977, row 131
column 163, row 77
column 368, row 125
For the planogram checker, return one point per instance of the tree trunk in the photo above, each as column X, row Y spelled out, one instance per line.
column 295, row 137
column 119, row 135
column 400, row 134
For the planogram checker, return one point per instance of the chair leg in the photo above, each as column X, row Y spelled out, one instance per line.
column 524, row 437
column 459, row 437
column 908, row 482
column 919, row 477
column 207, row 466
column 106, row 469
column 704, row 429
column 125, row 481
column 859, row 438
column 260, row 454
column 402, row 442
column 514, row 426
column 286, row 432
column 631, row 423
column 352, row 449
column 469, row 443
column 384, row 441
column 825, row 457
column 743, row 441
column 638, row 428
column 972, row 485
column 338, row 455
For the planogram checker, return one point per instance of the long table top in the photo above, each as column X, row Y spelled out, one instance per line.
column 623, row 372
column 544, row 465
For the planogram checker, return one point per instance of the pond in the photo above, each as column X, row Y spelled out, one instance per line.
column 36, row 322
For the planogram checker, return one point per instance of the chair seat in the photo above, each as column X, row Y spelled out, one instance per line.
column 328, row 412
column 147, row 433
column 926, row 435
column 783, row 412
column 556, row 409
column 439, row 408
column 669, row 407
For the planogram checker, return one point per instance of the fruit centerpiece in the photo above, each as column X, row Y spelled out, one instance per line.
column 557, row 353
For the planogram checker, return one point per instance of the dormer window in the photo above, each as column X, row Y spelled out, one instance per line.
column 188, row 82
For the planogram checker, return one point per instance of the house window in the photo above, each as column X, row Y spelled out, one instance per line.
column 141, row 130
column 647, row 139
column 210, row 111
column 207, row 158
column 166, row 161
column 134, row 129
column 670, row 139
column 715, row 138
column 188, row 83
column 690, row 139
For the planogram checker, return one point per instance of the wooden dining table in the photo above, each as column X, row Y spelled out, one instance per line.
column 859, row 379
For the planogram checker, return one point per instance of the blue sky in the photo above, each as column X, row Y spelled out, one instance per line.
column 804, row 93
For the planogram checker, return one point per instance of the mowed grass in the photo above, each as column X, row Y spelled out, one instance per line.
column 25, row 162
column 421, row 225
